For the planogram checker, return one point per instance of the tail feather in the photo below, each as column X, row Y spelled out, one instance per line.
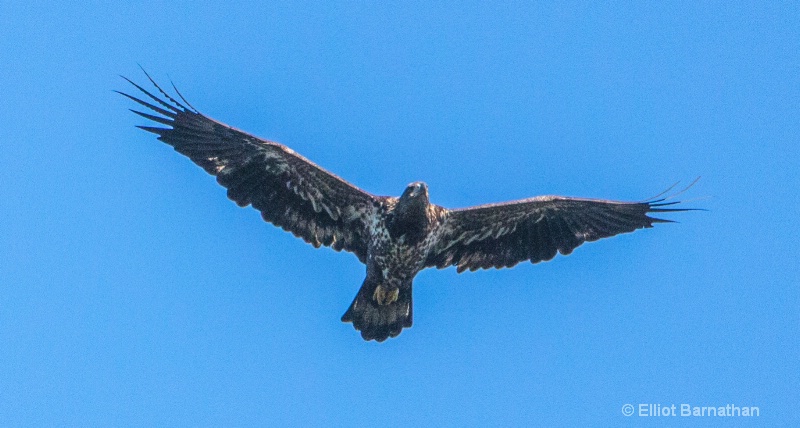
column 379, row 321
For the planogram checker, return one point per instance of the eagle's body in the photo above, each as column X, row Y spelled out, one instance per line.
column 401, row 233
column 394, row 237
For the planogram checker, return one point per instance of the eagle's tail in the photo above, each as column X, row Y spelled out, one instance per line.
column 378, row 312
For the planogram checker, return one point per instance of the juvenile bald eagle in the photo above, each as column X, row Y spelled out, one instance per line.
column 394, row 237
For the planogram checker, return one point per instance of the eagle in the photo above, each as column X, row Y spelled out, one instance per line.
column 395, row 237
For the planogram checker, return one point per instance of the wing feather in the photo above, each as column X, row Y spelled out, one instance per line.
column 289, row 190
column 536, row 229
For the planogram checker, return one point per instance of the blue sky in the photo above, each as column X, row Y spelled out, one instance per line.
column 135, row 293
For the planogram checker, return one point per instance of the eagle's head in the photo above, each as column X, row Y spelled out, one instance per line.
column 417, row 191
column 410, row 216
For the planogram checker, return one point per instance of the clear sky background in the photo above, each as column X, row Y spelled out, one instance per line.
column 132, row 292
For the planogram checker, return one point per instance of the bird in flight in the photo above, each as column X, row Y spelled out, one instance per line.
column 395, row 237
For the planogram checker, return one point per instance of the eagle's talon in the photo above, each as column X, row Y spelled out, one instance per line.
column 385, row 297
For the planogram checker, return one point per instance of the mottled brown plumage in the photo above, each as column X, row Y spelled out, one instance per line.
column 394, row 237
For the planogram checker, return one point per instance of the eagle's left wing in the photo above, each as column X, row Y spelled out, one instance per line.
column 502, row 235
column 289, row 190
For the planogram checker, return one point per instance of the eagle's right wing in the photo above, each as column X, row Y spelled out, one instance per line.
column 289, row 190
column 502, row 235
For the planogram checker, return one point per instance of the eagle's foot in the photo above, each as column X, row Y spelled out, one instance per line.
column 384, row 296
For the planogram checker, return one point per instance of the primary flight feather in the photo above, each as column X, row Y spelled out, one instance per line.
column 395, row 237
